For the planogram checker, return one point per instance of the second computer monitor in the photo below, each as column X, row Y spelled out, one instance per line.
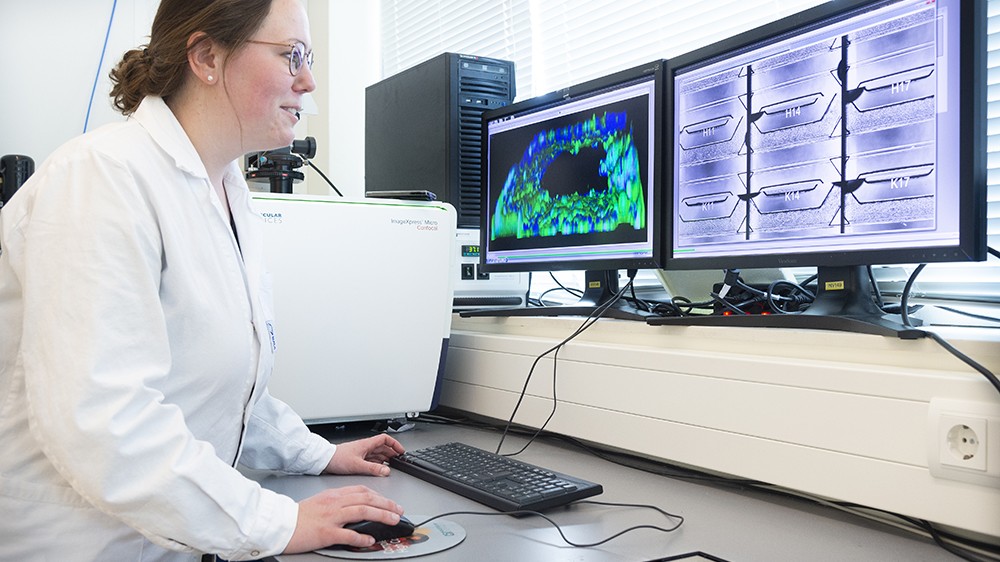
column 849, row 134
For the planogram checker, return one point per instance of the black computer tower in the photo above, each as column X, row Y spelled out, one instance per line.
column 423, row 128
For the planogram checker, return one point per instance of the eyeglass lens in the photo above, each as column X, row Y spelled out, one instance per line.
column 299, row 56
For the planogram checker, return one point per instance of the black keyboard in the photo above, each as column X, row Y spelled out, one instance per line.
column 500, row 482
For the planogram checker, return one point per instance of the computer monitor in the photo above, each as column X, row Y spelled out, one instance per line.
column 847, row 135
column 571, row 181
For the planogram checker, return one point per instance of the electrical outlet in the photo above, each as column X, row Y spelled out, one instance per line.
column 963, row 441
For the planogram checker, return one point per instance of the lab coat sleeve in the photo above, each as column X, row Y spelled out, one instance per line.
column 95, row 345
column 277, row 439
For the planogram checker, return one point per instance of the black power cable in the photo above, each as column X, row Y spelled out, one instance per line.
column 322, row 175
column 940, row 340
column 596, row 315
column 679, row 520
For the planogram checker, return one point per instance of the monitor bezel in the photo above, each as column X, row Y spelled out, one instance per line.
column 654, row 71
column 971, row 245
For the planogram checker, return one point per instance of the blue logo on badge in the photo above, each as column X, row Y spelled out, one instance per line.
column 270, row 331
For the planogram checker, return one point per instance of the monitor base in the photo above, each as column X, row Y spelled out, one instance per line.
column 875, row 326
column 844, row 302
column 624, row 312
column 602, row 287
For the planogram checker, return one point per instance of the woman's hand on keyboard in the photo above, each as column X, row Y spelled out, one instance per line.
column 364, row 456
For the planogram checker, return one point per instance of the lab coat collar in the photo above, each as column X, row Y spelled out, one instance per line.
column 159, row 121
column 163, row 127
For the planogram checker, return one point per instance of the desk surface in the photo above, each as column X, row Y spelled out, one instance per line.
column 737, row 526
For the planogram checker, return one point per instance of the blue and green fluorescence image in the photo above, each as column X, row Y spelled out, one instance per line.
column 537, row 201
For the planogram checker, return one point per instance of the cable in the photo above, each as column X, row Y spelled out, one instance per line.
column 662, row 308
column 552, row 412
column 730, row 281
column 541, row 298
column 587, row 323
column 527, row 293
column 798, row 296
column 963, row 548
column 594, row 316
column 905, row 297
column 639, row 304
column 100, row 63
column 966, row 359
column 996, row 254
column 522, row 512
column 685, row 303
column 962, row 553
column 941, row 341
column 574, row 292
column 970, row 314
column 322, row 175
column 879, row 301
column 539, row 301
column 729, row 300
column 721, row 299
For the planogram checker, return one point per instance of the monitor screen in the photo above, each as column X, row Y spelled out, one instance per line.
column 847, row 135
column 571, row 180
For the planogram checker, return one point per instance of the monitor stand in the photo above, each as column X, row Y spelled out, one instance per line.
column 601, row 287
column 845, row 301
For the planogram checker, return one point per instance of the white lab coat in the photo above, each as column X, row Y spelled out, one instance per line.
column 135, row 349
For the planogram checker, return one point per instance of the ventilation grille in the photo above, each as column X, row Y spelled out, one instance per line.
column 470, row 166
column 470, row 153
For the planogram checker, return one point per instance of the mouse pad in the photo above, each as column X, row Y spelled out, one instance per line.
column 435, row 536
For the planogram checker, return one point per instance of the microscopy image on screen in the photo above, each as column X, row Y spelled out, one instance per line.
column 829, row 134
column 580, row 177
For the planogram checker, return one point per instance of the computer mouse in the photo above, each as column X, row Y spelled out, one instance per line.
column 381, row 531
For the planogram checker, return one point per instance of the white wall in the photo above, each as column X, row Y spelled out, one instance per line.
column 345, row 37
column 50, row 52
column 50, row 56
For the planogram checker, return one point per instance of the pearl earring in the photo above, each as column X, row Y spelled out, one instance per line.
column 210, row 78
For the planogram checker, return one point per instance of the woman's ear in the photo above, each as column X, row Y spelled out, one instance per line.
column 204, row 58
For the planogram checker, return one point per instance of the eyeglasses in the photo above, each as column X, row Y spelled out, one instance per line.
column 296, row 57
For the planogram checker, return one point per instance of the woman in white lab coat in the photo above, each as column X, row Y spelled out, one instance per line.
column 136, row 334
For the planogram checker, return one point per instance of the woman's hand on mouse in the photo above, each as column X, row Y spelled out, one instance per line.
column 322, row 518
column 364, row 456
